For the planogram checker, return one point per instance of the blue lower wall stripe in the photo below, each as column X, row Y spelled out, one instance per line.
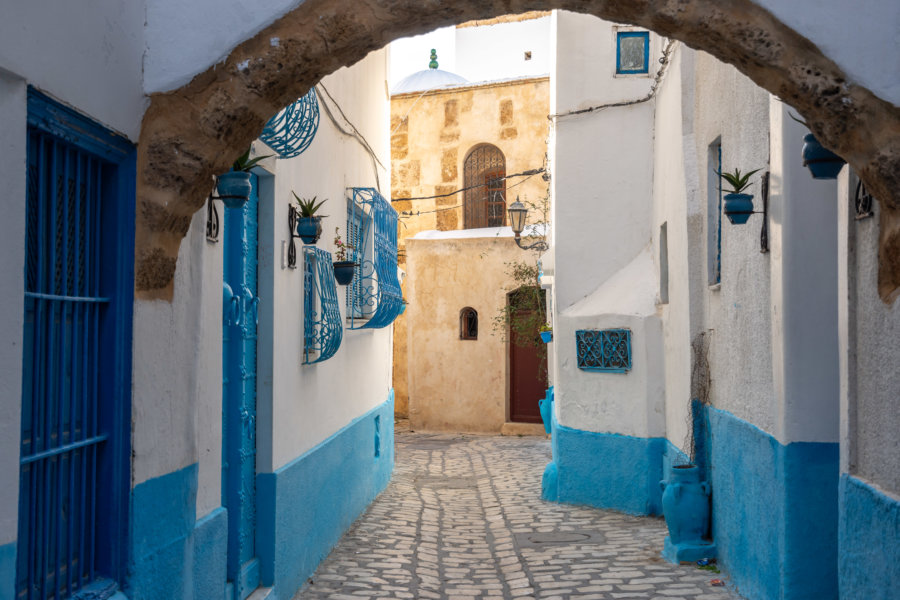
column 210, row 542
column 869, row 563
column 774, row 511
column 8, row 571
column 605, row 470
column 307, row 505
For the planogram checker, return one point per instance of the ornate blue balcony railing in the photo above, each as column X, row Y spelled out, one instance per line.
column 374, row 299
column 322, row 329
column 606, row 350
column 292, row 130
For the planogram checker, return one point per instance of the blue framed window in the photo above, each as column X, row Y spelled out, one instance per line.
column 322, row 329
column 374, row 298
column 606, row 350
column 632, row 52
column 75, row 475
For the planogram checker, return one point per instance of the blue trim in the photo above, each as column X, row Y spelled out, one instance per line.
column 622, row 35
column 292, row 130
column 322, row 327
column 210, row 546
column 869, row 563
column 774, row 511
column 305, row 506
column 606, row 470
column 8, row 571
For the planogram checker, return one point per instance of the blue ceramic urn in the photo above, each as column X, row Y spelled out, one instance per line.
column 738, row 207
column 685, row 503
column 309, row 229
column 821, row 162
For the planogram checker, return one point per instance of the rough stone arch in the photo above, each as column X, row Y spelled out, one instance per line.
column 192, row 133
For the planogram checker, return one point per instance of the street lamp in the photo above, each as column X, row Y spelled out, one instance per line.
column 517, row 213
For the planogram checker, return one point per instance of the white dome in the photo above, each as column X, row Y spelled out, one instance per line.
column 428, row 79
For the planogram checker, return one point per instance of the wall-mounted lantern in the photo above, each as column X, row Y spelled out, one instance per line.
column 517, row 213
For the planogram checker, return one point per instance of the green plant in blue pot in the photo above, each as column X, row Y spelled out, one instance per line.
column 234, row 186
column 343, row 268
column 821, row 162
column 309, row 224
column 738, row 205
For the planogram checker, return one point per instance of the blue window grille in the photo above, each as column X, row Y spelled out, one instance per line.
column 374, row 298
column 606, row 350
column 292, row 130
column 632, row 52
column 76, row 388
column 322, row 329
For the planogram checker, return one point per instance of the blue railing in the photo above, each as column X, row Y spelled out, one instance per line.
column 606, row 350
column 292, row 130
column 322, row 330
column 374, row 298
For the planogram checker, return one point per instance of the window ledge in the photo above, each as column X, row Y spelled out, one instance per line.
column 716, row 287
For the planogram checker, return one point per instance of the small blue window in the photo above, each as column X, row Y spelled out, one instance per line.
column 606, row 350
column 632, row 51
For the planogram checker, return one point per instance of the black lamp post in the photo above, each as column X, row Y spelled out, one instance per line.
column 517, row 213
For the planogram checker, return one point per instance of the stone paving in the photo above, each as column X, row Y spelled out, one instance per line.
column 462, row 519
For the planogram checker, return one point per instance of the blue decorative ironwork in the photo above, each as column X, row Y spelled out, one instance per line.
column 606, row 350
column 322, row 329
column 292, row 130
column 75, row 482
column 374, row 299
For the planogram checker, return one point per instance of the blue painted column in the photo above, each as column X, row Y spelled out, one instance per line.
column 239, row 395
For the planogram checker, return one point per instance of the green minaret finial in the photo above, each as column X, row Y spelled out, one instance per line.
column 433, row 64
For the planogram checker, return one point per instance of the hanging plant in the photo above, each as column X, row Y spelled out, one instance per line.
column 821, row 162
column 234, row 187
column 343, row 268
column 738, row 205
column 309, row 224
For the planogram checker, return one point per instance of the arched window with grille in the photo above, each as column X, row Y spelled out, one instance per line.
column 468, row 324
column 483, row 172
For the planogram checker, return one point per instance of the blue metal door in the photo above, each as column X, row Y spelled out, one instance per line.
column 239, row 394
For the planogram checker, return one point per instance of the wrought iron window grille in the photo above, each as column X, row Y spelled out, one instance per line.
column 292, row 130
column 607, row 350
column 468, row 324
column 293, row 215
column 374, row 298
column 484, row 177
column 864, row 202
column 322, row 329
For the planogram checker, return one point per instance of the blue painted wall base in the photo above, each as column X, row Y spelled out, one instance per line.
column 605, row 470
column 174, row 556
column 687, row 552
column 305, row 506
column 869, row 564
column 774, row 511
column 8, row 571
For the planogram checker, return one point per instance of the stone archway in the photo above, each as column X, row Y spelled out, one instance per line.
column 192, row 133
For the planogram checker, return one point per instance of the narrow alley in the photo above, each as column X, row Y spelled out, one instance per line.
column 462, row 519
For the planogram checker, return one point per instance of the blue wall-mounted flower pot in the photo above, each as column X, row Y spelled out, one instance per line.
column 343, row 271
column 309, row 229
column 547, row 336
column 738, row 207
column 821, row 162
column 402, row 308
column 685, row 503
column 234, row 188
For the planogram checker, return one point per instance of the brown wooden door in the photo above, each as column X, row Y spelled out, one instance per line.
column 528, row 372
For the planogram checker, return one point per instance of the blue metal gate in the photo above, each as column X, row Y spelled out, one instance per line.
column 239, row 391
column 74, row 476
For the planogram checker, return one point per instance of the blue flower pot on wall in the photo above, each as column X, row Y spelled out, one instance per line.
column 545, row 405
column 821, row 162
column 547, row 336
column 738, row 208
column 685, row 503
column 309, row 229
column 234, row 188
column 343, row 271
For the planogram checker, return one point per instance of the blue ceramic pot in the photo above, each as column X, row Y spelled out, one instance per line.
column 234, row 188
column 309, row 229
column 546, row 407
column 343, row 271
column 685, row 503
column 547, row 336
column 738, row 207
column 821, row 162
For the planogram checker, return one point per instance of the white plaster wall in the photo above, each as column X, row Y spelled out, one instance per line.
column 869, row 347
column 85, row 54
column 177, row 376
column 602, row 161
column 12, row 231
column 301, row 405
column 498, row 51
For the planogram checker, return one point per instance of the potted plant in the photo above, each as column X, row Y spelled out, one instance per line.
column 738, row 205
column 234, row 187
column 403, row 303
column 821, row 162
column 343, row 268
column 309, row 224
column 546, row 332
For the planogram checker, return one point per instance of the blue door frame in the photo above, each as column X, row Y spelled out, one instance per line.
column 239, row 393
column 76, row 389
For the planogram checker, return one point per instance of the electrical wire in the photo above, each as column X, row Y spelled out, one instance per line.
column 528, row 173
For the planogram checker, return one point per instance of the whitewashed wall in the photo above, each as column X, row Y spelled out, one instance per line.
column 300, row 406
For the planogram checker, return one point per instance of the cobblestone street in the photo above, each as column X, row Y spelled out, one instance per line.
column 462, row 519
